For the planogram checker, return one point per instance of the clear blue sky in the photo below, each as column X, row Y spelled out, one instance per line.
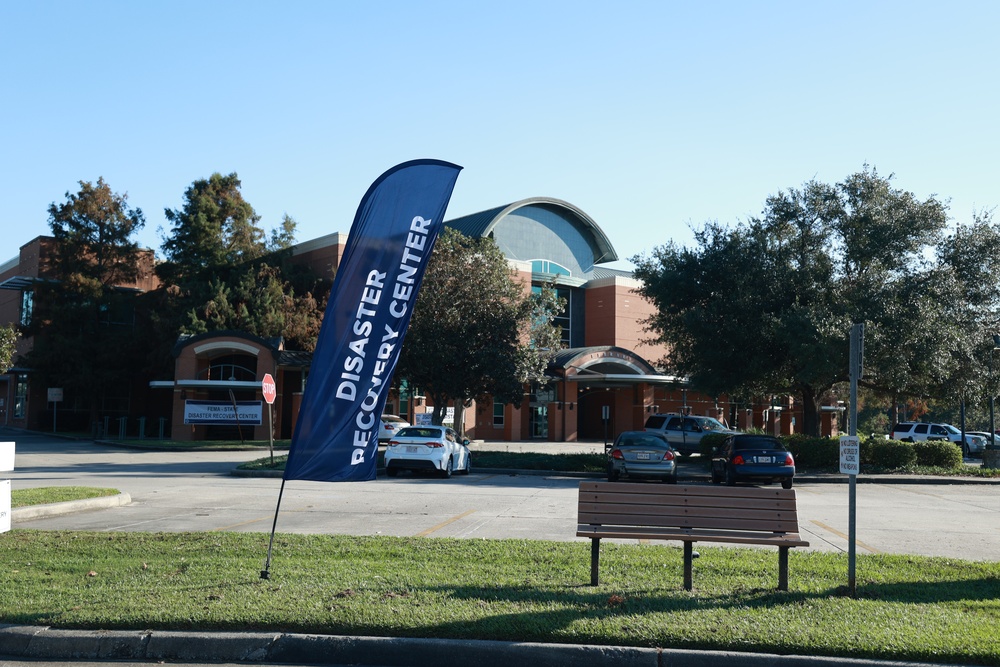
column 649, row 116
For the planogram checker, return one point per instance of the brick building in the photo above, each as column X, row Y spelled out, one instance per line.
column 603, row 381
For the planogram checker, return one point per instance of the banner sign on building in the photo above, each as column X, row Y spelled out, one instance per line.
column 374, row 291
column 249, row 413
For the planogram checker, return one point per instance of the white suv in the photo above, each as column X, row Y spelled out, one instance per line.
column 918, row 431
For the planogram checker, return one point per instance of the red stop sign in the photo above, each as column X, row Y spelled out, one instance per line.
column 270, row 390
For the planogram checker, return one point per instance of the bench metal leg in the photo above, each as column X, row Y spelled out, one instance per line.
column 688, row 560
column 595, row 559
column 782, row 568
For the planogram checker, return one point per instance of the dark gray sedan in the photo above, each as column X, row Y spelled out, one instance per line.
column 642, row 454
column 753, row 458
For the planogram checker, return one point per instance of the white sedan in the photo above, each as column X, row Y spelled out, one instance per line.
column 435, row 448
column 388, row 427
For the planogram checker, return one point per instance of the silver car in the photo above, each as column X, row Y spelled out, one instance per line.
column 642, row 454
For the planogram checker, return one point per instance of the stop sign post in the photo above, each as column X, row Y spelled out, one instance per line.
column 270, row 391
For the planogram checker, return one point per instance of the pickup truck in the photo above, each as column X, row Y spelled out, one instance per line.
column 684, row 433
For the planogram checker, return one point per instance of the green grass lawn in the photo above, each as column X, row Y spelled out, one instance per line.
column 907, row 607
column 56, row 494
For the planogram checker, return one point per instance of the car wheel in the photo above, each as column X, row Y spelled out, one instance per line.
column 613, row 475
column 448, row 469
column 716, row 477
column 468, row 464
column 672, row 479
column 391, row 472
column 730, row 477
column 786, row 483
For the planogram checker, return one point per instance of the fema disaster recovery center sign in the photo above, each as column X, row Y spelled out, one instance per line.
column 373, row 295
column 246, row 413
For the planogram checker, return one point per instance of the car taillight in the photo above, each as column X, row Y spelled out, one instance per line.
column 668, row 455
column 789, row 461
column 393, row 443
column 738, row 460
column 617, row 454
column 434, row 444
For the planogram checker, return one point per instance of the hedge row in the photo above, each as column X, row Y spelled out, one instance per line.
column 814, row 453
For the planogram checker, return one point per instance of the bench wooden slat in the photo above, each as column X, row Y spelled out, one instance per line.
column 723, row 523
column 639, row 533
column 686, row 490
column 736, row 515
column 636, row 512
column 688, row 501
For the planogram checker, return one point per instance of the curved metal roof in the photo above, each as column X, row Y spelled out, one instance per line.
column 481, row 224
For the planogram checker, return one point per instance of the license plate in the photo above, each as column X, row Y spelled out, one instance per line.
column 642, row 456
column 765, row 459
column 412, row 450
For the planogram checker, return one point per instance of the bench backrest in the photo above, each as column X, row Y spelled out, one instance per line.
column 682, row 506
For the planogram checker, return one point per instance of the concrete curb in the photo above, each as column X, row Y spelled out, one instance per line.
column 829, row 478
column 37, row 643
column 69, row 506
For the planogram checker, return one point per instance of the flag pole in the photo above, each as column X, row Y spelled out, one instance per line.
column 266, row 572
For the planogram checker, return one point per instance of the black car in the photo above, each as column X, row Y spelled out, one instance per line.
column 753, row 458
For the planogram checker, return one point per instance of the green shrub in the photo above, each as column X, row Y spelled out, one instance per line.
column 938, row 454
column 888, row 454
column 709, row 443
column 815, row 453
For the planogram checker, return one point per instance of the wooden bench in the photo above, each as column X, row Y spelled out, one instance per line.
column 736, row 515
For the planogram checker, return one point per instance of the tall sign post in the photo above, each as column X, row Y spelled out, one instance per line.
column 606, row 416
column 270, row 391
column 6, row 465
column 55, row 396
column 850, row 453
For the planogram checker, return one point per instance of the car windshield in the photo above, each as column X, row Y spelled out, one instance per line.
column 709, row 424
column 419, row 432
column 952, row 429
column 756, row 443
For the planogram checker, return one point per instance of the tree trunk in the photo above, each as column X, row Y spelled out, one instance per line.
column 810, row 410
column 440, row 405
column 459, row 424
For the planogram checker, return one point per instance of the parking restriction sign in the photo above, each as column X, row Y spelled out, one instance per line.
column 850, row 454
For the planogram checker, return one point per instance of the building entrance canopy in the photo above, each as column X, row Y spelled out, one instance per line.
column 607, row 366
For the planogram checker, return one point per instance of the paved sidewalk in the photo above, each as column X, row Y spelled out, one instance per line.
column 40, row 643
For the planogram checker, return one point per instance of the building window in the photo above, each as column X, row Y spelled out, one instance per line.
column 21, row 396
column 545, row 266
column 498, row 409
column 27, row 305
column 563, row 319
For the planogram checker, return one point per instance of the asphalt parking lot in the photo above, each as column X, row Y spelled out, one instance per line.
column 196, row 491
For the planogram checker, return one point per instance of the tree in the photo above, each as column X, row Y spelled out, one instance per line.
column 85, row 312
column 8, row 343
column 222, row 272
column 472, row 328
column 216, row 228
column 766, row 307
